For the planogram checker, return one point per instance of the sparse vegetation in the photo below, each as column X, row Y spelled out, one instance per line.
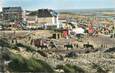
column 99, row 68
column 4, row 43
column 28, row 48
column 68, row 68
column 20, row 64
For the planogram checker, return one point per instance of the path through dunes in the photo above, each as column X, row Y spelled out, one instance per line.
column 97, row 41
column 25, row 33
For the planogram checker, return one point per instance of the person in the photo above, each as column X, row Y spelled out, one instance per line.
column 74, row 43
column 44, row 43
column 53, row 45
column 88, row 43
column 101, row 45
column 77, row 45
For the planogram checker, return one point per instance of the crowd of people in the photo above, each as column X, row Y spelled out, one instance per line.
column 96, row 25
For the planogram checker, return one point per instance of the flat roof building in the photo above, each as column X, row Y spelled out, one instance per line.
column 12, row 14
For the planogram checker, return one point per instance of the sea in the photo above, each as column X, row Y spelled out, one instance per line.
column 96, row 12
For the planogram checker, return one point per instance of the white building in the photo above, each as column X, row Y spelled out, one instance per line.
column 48, row 17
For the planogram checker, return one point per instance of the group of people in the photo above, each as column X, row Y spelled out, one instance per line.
column 40, row 43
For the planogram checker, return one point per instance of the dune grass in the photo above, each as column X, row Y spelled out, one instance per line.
column 20, row 64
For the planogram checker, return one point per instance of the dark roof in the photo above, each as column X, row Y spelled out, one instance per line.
column 12, row 9
column 46, row 13
column 32, row 13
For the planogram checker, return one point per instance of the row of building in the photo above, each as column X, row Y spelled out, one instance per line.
column 40, row 17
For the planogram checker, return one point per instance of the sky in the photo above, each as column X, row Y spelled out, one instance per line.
column 58, row 4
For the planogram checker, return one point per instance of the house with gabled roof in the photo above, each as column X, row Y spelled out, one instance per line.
column 48, row 17
column 30, row 17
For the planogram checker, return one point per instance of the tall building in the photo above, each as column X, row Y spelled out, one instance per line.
column 12, row 14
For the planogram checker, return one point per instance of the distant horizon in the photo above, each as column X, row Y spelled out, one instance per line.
column 65, row 9
column 59, row 4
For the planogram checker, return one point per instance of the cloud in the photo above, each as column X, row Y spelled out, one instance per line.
column 1, row 4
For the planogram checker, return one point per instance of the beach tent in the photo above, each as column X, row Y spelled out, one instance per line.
column 78, row 30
